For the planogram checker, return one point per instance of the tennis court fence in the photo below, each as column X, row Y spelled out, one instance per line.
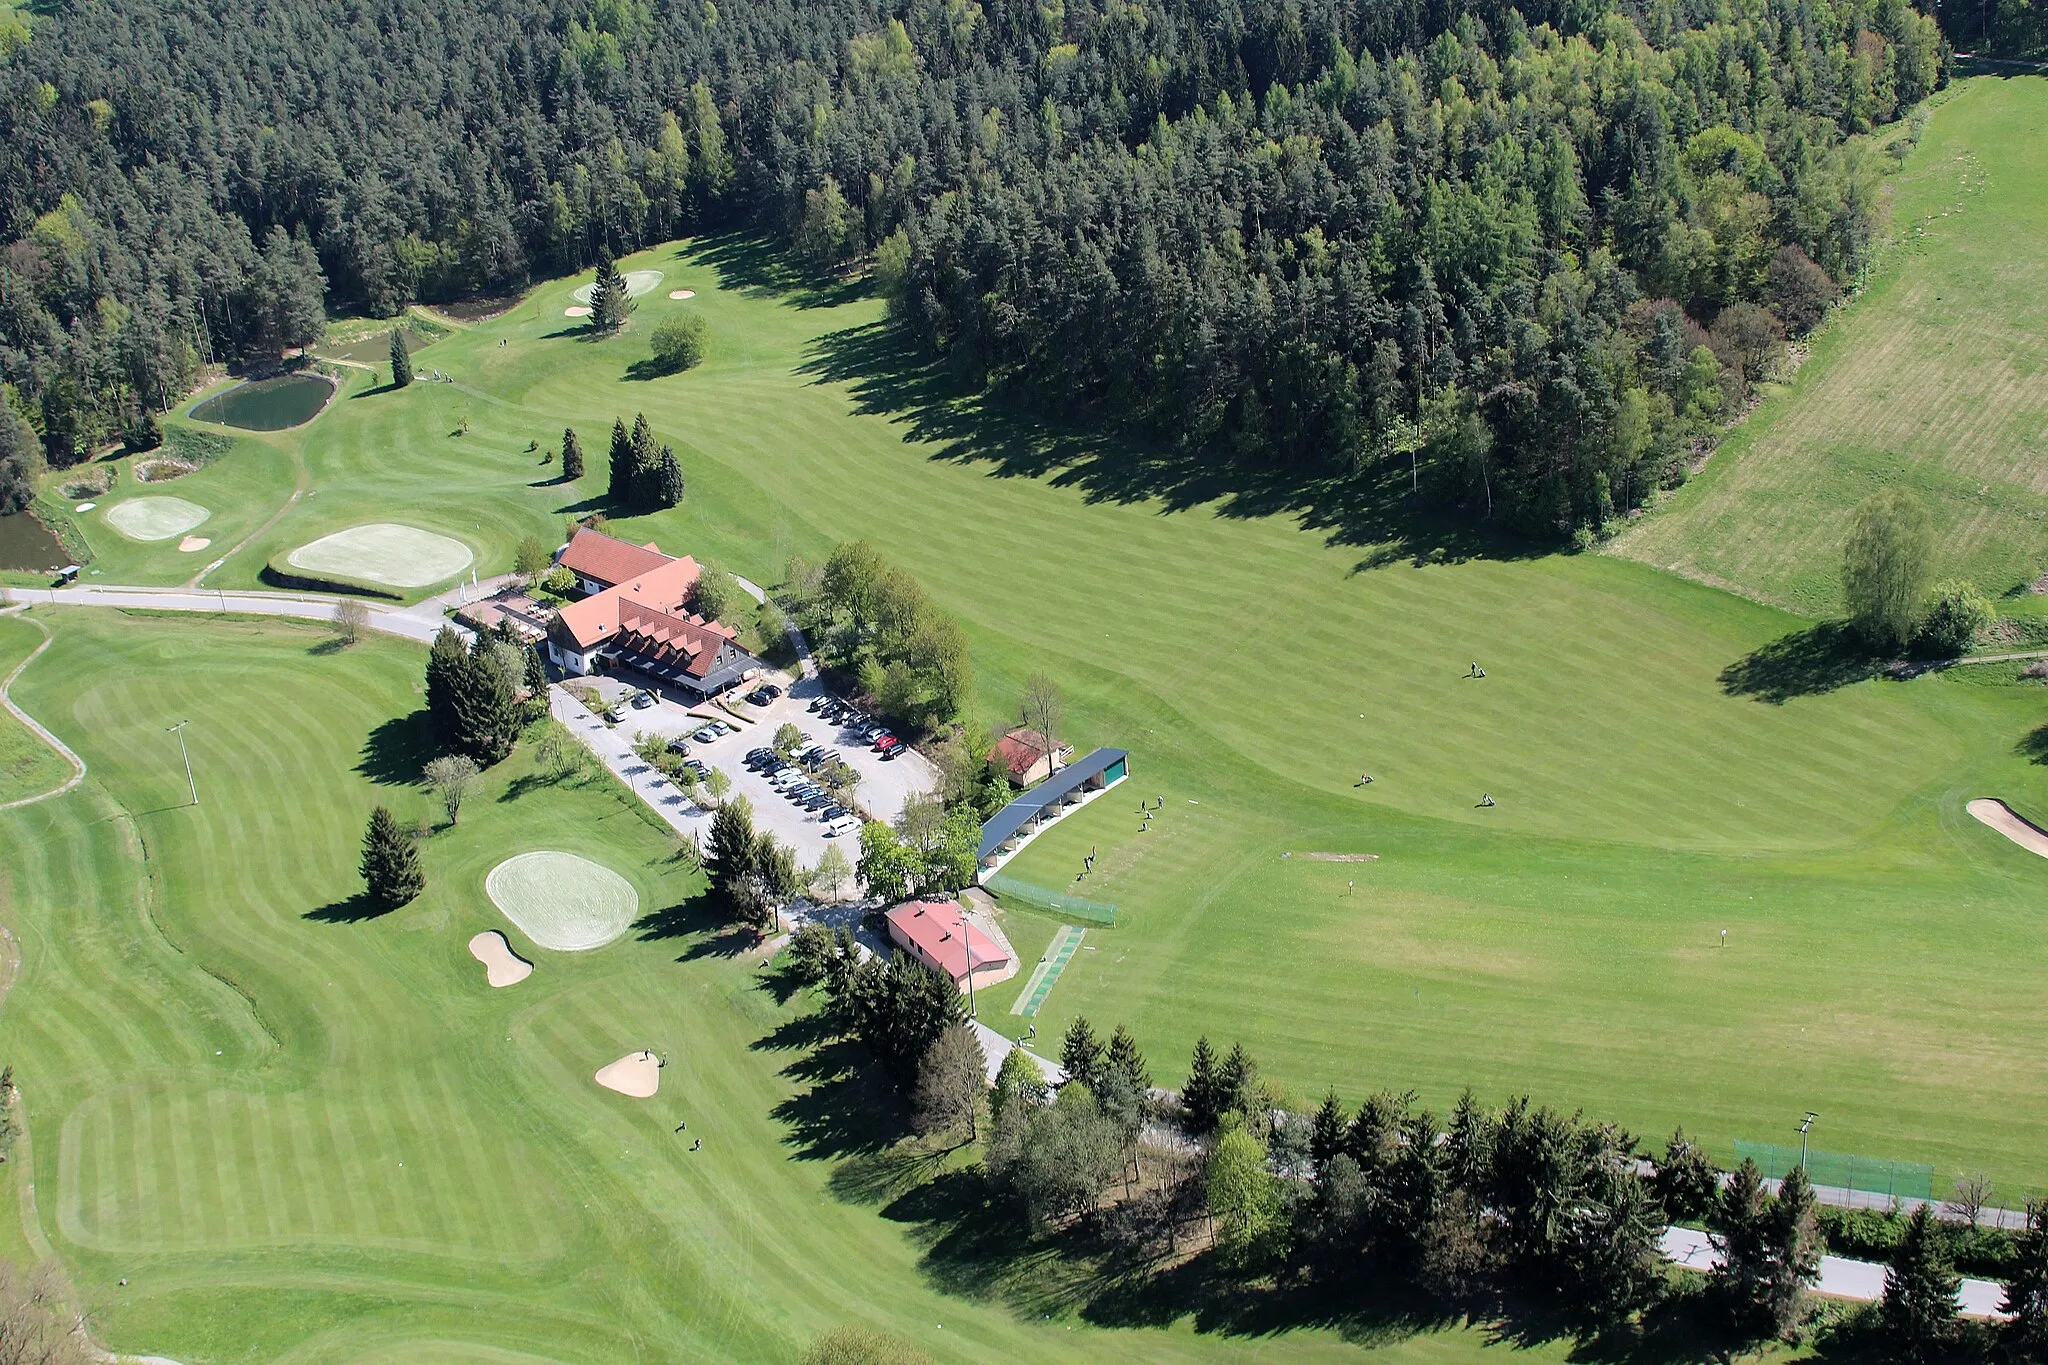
column 1059, row 902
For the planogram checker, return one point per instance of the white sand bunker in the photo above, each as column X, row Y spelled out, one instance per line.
column 638, row 282
column 384, row 552
column 155, row 518
column 191, row 543
column 682, row 293
column 579, row 311
column 502, row 966
column 637, row 1074
column 85, row 507
column 561, row 901
column 2011, row 824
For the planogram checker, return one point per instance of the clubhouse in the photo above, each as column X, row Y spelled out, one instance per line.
column 635, row 614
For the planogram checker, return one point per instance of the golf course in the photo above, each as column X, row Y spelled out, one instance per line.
column 1726, row 875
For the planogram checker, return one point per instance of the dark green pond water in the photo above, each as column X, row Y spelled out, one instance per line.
column 267, row 404
column 25, row 546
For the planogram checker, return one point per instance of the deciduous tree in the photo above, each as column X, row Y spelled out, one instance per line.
column 1884, row 566
column 952, row 1080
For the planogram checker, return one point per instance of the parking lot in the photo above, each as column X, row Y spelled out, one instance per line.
column 884, row 786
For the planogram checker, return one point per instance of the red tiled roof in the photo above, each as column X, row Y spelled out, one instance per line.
column 1021, row 751
column 935, row 928
column 687, row 642
column 598, row 617
column 609, row 560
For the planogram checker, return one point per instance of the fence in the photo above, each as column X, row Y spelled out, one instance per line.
column 1872, row 1175
column 1060, row 903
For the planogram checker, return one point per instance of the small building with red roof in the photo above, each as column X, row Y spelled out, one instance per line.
column 1027, row 756
column 942, row 934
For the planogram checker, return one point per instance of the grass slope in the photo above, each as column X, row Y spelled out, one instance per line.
column 1937, row 379
column 305, row 1136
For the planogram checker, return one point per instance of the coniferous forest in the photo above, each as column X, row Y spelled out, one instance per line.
column 1518, row 262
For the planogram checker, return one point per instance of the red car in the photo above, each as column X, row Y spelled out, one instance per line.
column 885, row 741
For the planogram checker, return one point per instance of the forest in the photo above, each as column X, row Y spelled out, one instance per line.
column 1516, row 261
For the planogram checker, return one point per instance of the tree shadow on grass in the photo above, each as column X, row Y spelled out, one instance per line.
column 2033, row 745
column 1372, row 510
column 354, row 910
column 847, row 1109
column 1805, row 663
column 395, row 751
column 759, row 268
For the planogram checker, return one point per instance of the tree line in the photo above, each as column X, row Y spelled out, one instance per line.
column 1524, row 255
column 879, row 633
column 1475, row 1211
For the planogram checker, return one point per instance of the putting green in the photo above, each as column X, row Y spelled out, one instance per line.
column 384, row 552
column 561, row 901
column 155, row 518
column 638, row 282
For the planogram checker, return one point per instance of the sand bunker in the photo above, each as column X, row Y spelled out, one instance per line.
column 2011, row 824
column 384, row 552
column 85, row 507
column 579, row 311
column 637, row 1074
column 155, row 518
column 502, row 966
column 682, row 293
column 191, row 543
column 638, row 282
column 561, row 901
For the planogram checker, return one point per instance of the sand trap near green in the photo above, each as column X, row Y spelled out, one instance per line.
column 561, row 901
column 384, row 552
column 155, row 518
column 638, row 282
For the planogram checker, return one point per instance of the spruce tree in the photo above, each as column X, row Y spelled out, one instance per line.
column 447, row 663
column 391, row 866
column 1125, row 1059
column 536, row 674
column 1081, row 1054
column 572, row 454
column 1236, row 1082
column 609, row 303
column 1199, row 1096
column 620, row 485
column 666, row 480
column 729, row 853
column 2025, row 1334
column 1326, row 1133
column 1738, row 1223
column 1792, row 1234
column 1919, row 1306
column 401, row 360
column 486, row 707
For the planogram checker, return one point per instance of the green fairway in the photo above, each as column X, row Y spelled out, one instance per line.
column 301, row 1134
column 27, row 765
column 1937, row 379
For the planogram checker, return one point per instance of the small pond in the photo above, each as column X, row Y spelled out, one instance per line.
column 268, row 404
column 27, row 546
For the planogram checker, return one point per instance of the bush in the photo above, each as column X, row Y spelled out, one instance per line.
column 1956, row 615
column 863, row 1346
column 679, row 342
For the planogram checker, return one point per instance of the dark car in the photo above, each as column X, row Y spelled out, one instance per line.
column 678, row 746
column 832, row 812
column 697, row 767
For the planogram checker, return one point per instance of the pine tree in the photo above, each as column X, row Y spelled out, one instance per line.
column 536, row 674
column 1081, row 1054
column 729, row 854
column 1199, row 1097
column 447, row 664
column 1738, row 1223
column 643, row 444
column 2025, row 1334
column 572, row 454
column 486, row 707
column 609, row 302
column 1919, row 1306
column 1126, row 1060
column 666, row 480
column 1792, row 1232
column 401, row 360
column 391, row 866
column 620, row 486
column 1237, row 1082
column 1326, row 1133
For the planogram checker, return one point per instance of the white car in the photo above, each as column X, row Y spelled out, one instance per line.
column 783, row 778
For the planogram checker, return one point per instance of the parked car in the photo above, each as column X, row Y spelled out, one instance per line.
column 832, row 812
column 677, row 746
column 643, row 699
column 698, row 768
column 704, row 735
column 885, row 742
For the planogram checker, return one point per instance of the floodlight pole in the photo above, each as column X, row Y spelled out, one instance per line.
column 1803, row 1126
column 969, row 944
column 184, row 753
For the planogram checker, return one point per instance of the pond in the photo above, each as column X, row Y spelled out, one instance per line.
column 375, row 349
column 268, row 404
column 27, row 546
